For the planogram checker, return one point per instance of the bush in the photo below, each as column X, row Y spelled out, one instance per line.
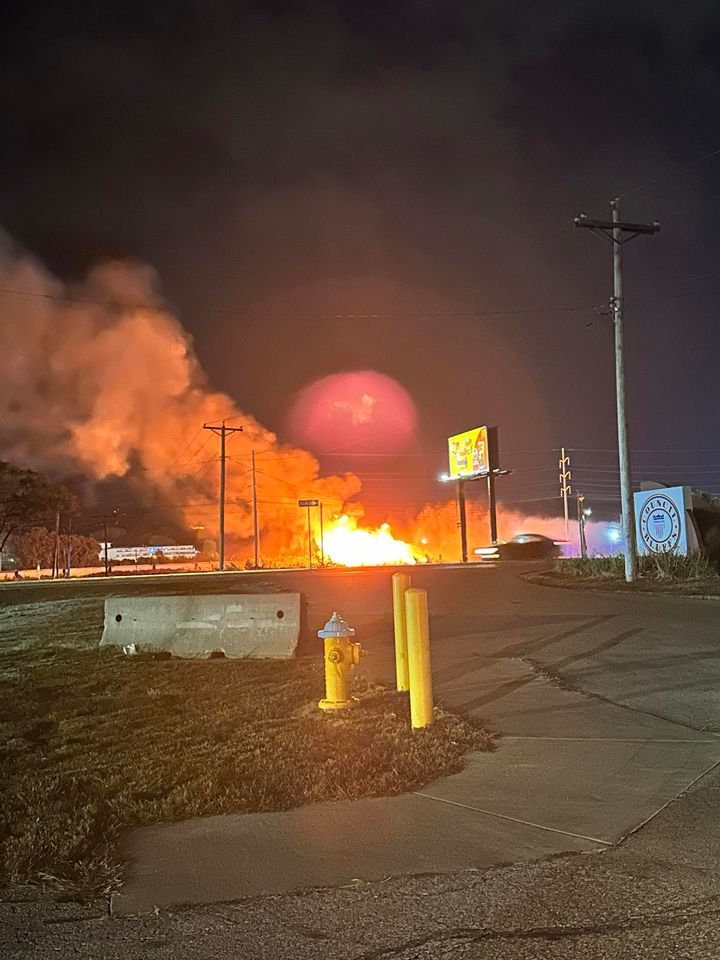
column 658, row 566
column 610, row 568
column 671, row 566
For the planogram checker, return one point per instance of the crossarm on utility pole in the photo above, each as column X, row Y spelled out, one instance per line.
column 222, row 430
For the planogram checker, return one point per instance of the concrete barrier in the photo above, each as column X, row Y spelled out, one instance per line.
column 238, row 625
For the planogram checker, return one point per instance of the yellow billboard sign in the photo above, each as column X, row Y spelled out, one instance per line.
column 468, row 453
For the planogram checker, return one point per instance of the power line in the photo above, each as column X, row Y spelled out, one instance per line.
column 186, row 447
column 405, row 315
column 670, row 173
column 647, row 450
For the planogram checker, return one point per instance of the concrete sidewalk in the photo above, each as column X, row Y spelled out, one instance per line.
column 574, row 773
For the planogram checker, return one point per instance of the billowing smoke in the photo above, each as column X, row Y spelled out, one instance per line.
column 100, row 379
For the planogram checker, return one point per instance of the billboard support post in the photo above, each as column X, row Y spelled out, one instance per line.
column 463, row 519
column 492, row 509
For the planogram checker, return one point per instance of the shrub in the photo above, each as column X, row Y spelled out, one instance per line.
column 658, row 566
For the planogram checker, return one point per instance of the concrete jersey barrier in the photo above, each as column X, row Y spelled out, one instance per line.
column 238, row 625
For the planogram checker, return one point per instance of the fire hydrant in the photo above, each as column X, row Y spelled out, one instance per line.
column 341, row 655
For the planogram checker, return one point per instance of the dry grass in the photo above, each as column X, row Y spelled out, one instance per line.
column 658, row 567
column 94, row 742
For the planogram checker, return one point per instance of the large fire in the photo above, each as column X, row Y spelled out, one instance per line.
column 352, row 546
column 102, row 381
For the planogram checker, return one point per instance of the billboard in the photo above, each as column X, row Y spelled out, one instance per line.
column 661, row 517
column 468, row 453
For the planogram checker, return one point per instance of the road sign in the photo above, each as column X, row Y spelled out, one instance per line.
column 308, row 503
column 662, row 516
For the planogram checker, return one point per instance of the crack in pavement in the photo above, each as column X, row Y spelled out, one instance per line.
column 561, row 680
column 677, row 917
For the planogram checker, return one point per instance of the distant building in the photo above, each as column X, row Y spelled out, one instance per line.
column 171, row 552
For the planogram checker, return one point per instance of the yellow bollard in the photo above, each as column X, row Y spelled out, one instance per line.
column 418, row 646
column 400, row 585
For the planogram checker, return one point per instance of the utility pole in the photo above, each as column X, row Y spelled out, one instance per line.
column 565, row 487
column 68, row 548
column 108, row 570
column 581, row 525
column 322, row 537
column 612, row 231
column 463, row 518
column 222, row 431
column 105, row 544
column 56, row 549
column 256, row 530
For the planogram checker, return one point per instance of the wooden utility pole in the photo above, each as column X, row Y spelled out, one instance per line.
column 222, row 430
column 105, row 545
column 56, row 548
column 68, row 548
column 256, row 529
column 613, row 231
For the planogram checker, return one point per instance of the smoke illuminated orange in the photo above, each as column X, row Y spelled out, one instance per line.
column 107, row 384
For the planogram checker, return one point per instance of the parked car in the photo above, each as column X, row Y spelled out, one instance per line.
column 524, row 546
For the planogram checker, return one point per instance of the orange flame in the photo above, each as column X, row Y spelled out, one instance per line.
column 352, row 546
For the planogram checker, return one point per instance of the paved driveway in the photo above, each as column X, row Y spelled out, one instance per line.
column 609, row 705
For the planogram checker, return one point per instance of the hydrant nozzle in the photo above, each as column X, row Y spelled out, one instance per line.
column 341, row 654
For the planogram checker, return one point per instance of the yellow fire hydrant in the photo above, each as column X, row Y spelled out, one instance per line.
column 341, row 655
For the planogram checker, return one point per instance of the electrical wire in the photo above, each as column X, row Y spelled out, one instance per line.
column 405, row 315
column 186, row 447
column 670, row 173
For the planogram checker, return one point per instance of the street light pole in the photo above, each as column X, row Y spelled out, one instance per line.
column 581, row 525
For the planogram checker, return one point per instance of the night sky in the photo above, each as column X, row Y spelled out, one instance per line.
column 289, row 166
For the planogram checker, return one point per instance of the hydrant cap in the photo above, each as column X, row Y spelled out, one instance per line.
column 336, row 627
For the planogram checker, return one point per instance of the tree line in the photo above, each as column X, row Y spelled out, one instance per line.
column 29, row 505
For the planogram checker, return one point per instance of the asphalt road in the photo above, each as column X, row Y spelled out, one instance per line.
column 655, row 654
column 650, row 660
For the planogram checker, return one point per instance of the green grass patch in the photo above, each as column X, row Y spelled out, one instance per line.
column 94, row 742
column 661, row 567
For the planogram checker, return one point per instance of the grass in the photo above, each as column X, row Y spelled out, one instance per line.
column 93, row 743
column 658, row 567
